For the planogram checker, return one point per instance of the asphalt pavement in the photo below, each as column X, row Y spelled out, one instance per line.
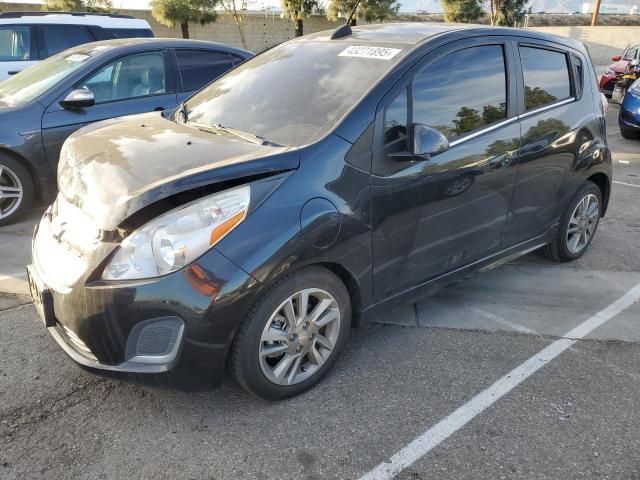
column 423, row 370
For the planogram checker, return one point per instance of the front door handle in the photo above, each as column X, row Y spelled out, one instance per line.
column 14, row 72
column 158, row 109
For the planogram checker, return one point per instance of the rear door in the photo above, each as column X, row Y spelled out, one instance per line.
column 557, row 123
column 197, row 68
column 136, row 83
column 18, row 49
column 433, row 216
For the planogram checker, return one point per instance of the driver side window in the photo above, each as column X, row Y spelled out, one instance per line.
column 134, row 76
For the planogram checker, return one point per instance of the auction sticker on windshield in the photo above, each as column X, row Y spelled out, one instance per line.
column 381, row 53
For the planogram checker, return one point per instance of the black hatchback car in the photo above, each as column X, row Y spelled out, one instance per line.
column 42, row 105
column 318, row 183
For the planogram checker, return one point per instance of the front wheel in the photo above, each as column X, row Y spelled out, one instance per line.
column 16, row 190
column 293, row 335
column 578, row 225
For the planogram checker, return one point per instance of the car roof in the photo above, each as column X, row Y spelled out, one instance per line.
column 124, row 45
column 414, row 33
column 61, row 18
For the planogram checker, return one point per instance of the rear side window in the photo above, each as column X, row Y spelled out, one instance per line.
column 460, row 103
column 546, row 77
column 199, row 67
column 15, row 43
column 56, row 38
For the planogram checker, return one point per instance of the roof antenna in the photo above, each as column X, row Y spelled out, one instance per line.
column 345, row 30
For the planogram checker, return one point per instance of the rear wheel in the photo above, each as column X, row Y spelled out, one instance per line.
column 577, row 226
column 16, row 190
column 292, row 336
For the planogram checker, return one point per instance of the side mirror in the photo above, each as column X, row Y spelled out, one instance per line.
column 427, row 141
column 616, row 58
column 79, row 98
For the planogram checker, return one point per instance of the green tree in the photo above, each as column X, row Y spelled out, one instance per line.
column 537, row 97
column 237, row 10
column 508, row 13
column 98, row 6
column 369, row 10
column 462, row 11
column 296, row 10
column 181, row 12
column 468, row 119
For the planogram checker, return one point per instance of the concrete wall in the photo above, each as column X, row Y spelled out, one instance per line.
column 602, row 42
column 264, row 30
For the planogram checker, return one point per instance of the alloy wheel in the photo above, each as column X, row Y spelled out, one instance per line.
column 11, row 191
column 299, row 337
column 583, row 223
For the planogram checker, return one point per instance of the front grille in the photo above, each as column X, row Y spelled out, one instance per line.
column 608, row 87
column 64, row 239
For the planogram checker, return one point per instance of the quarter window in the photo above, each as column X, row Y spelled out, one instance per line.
column 462, row 91
column 199, row 67
column 546, row 77
column 139, row 75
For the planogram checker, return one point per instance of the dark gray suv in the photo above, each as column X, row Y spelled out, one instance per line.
column 44, row 104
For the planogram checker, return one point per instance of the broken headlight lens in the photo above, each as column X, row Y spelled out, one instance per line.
column 179, row 237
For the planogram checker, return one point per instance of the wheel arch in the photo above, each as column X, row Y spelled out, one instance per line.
column 604, row 184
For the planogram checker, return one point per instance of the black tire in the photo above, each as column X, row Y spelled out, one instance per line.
column 245, row 362
column 629, row 134
column 13, row 168
column 558, row 249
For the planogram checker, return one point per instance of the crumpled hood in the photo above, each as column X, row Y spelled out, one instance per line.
column 114, row 168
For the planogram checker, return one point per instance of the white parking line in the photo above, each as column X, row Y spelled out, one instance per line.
column 627, row 184
column 503, row 321
column 467, row 412
column 21, row 274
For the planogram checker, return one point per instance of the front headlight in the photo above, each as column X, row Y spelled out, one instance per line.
column 177, row 238
column 610, row 73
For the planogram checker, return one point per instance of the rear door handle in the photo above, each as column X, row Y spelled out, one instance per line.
column 158, row 109
column 14, row 72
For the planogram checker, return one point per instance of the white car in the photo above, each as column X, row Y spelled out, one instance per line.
column 28, row 37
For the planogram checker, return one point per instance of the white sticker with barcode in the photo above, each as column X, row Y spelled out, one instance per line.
column 381, row 53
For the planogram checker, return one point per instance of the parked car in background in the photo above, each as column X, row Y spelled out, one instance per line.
column 28, row 37
column 41, row 106
column 629, row 116
column 617, row 69
column 326, row 179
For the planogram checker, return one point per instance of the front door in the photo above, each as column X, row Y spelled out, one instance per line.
column 433, row 216
column 132, row 84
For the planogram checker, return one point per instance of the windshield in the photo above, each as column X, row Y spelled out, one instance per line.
column 37, row 79
column 293, row 94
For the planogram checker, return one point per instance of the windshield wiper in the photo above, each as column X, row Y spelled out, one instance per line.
column 249, row 137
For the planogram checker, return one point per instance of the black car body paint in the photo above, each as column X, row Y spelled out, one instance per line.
column 393, row 233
